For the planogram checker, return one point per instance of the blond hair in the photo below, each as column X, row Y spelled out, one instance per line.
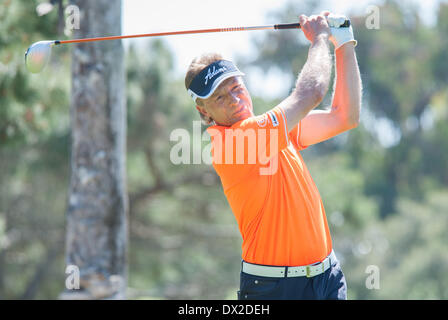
column 196, row 66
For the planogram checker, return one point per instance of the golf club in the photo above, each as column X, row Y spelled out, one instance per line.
column 38, row 54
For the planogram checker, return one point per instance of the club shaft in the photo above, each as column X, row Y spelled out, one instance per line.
column 172, row 33
column 161, row 34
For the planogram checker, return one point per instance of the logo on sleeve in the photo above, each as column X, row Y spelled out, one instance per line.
column 274, row 119
column 262, row 121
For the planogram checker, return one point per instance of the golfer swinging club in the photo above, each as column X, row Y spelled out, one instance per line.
column 287, row 250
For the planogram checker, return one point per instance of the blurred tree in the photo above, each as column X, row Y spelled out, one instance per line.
column 408, row 249
column 97, row 205
column 403, row 69
column 33, row 153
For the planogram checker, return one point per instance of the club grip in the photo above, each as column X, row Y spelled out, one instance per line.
column 346, row 24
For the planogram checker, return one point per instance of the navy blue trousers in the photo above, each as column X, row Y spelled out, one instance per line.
column 330, row 285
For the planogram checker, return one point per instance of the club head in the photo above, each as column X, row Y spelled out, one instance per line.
column 37, row 55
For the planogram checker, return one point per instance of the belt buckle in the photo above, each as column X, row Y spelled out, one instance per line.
column 308, row 271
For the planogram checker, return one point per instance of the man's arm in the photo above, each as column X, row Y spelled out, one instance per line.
column 320, row 125
column 314, row 78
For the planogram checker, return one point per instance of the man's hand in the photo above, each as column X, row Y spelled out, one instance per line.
column 339, row 36
column 314, row 26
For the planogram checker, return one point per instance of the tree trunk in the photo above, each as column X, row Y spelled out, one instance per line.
column 96, row 240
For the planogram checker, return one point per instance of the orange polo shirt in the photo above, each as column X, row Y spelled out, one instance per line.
column 275, row 201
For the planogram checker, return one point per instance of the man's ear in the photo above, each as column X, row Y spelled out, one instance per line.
column 203, row 111
column 205, row 116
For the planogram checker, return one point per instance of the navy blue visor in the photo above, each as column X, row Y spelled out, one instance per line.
column 206, row 82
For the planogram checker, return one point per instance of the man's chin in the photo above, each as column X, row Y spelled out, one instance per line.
column 244, row 116
column 240, row 117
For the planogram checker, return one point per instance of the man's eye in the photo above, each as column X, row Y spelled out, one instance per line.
column 218, row 98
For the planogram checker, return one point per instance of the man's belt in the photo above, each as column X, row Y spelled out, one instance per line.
column 282, row 272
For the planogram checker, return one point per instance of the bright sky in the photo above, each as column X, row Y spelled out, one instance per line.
column 171, row 15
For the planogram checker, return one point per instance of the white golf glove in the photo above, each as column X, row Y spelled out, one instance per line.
column 340, row 36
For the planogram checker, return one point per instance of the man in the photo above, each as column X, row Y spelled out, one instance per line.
column 287, row 250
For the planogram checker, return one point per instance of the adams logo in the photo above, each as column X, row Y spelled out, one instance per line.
column 211, row 74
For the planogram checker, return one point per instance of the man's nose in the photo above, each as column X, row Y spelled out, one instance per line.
column 234, row 99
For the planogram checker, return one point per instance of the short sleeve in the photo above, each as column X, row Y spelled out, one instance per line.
column 294, row 137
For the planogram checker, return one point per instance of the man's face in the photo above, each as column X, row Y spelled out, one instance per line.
column 230, row 103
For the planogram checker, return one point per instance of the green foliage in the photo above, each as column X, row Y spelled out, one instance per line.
column 404, row 42
column 34, row 139
column 409, row 250
column 28, row 102
column 341, row 189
